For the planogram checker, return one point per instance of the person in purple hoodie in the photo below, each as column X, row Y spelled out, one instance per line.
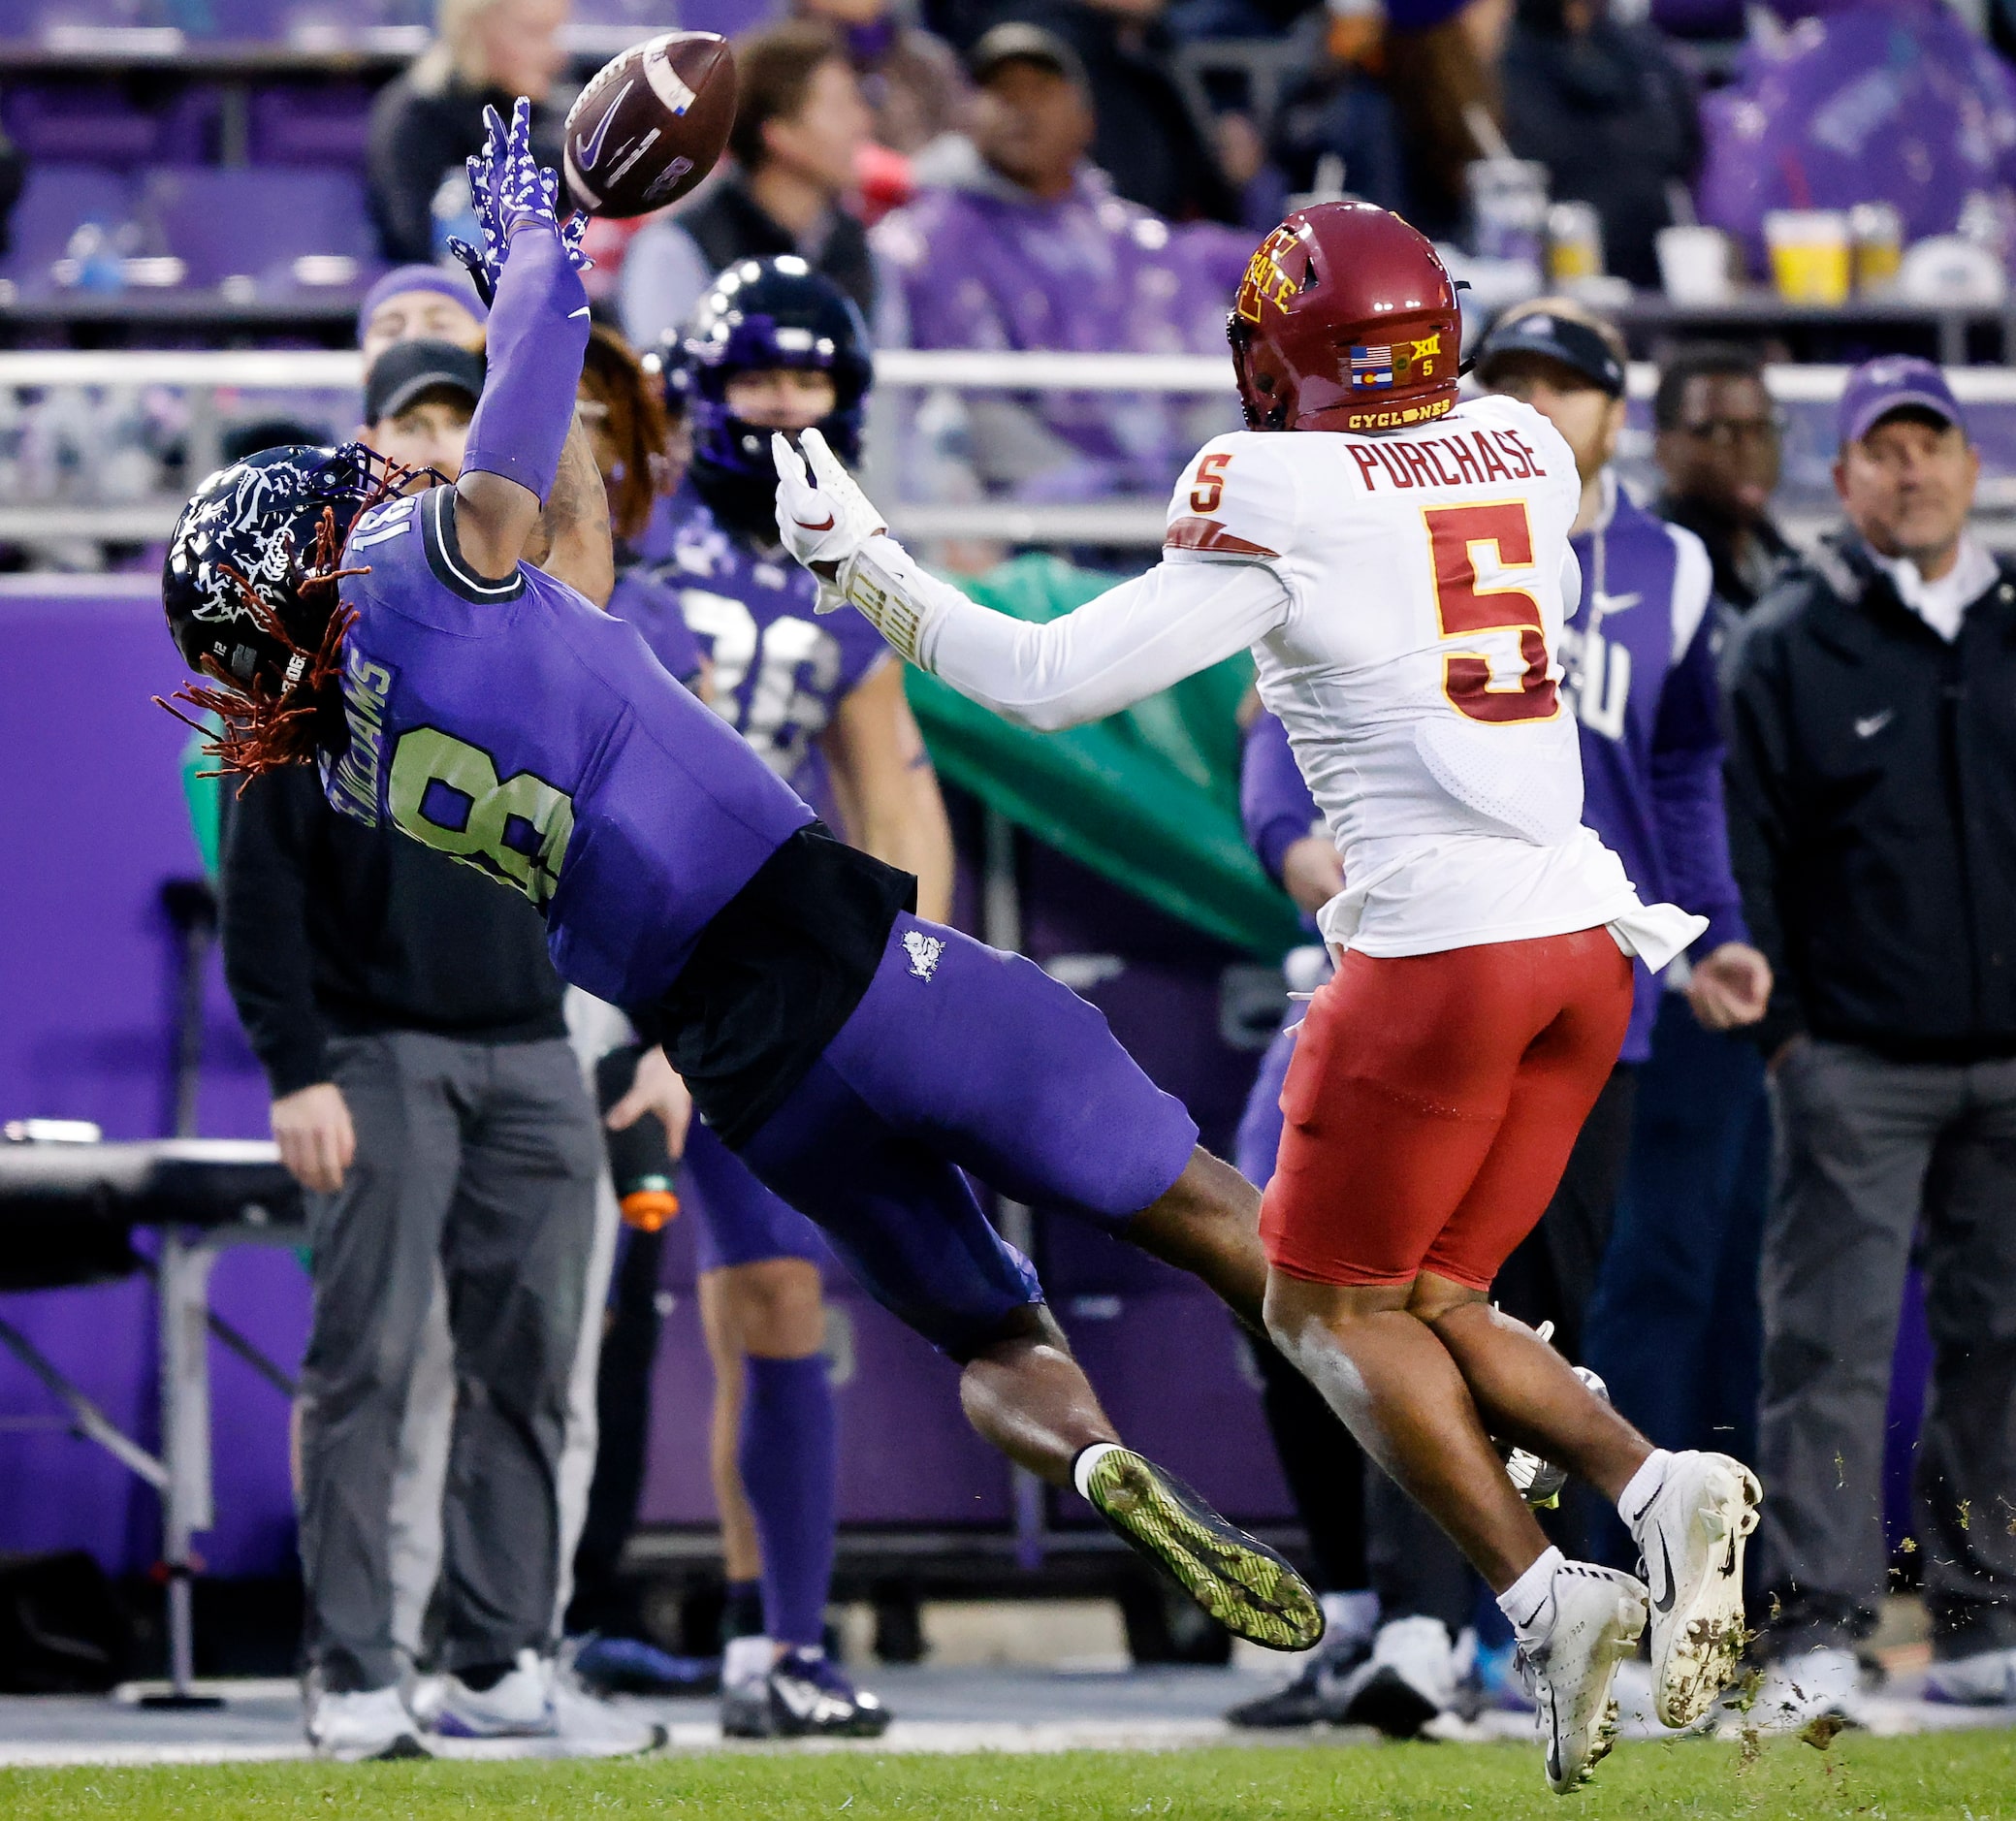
column 1024, row 245
column 859, row 1058
column 1639, row 651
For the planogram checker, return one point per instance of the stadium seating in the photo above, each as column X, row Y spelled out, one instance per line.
column 253, row 223
column 58, row 199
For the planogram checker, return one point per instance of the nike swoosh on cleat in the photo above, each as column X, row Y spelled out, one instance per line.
column 824, row 525
column 1664, row 1603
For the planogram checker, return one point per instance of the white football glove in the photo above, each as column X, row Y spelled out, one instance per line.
column 823, row 519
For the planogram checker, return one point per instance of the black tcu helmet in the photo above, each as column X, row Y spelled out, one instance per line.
column 763, row 313
column 250, row 589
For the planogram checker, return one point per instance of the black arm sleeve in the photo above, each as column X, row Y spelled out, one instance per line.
column 267, row 962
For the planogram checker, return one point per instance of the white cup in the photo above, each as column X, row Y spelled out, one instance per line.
column 1694, row 265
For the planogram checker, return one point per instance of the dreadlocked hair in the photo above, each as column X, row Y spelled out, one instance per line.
column 263, row 728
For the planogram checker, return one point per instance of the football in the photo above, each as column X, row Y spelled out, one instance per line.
column 651, row 124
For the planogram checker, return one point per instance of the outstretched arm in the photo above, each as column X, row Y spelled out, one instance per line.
column 1127, row 644
column 539, row 332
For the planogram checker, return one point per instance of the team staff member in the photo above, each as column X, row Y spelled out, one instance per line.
column 1873, row 798
column 425, row 1094
column 1674, row 1329
column 1718, row 440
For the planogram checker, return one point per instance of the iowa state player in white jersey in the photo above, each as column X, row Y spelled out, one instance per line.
column 1399, row 567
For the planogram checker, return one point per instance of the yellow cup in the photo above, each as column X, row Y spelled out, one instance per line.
column 1811, row 254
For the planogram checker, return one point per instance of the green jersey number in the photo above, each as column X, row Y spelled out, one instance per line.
column 446, row 793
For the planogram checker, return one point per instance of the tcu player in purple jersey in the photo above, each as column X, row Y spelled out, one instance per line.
column 775, row 346
column 858, row 1056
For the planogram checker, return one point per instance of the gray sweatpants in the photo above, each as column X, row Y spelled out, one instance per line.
column 479, row 1161
column 1869, row 1154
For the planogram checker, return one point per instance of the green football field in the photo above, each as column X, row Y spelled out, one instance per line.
column 1970, row 1776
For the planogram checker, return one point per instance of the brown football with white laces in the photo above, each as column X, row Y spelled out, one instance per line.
column 651, row 124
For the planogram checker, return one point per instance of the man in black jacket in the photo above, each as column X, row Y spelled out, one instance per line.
column 1873, row 800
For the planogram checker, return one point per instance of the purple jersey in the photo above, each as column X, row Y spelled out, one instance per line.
column 1639, row 651
column 779, row 670
column 519, row 728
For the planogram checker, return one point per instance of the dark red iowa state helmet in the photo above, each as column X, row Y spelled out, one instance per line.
column 1346, row 320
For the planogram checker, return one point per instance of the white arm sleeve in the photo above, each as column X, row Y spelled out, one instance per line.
column 1127, row 644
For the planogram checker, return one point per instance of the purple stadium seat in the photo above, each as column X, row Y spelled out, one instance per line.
column 94, row 123
column 310, row 125
column 255, row 224
column 59, row 197
column 72, row 122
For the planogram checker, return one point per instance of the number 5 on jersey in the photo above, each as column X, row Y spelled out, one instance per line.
column 1486, row 680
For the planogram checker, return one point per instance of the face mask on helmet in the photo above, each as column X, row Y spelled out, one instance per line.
column 762, row 315
column 251, row 591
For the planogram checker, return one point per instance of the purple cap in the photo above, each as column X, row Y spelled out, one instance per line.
column 401, row 279
column 1894, row 382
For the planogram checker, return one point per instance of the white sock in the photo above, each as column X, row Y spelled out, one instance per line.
column 1350, row 1617
column 1088, row 1458
column 1636, row 1499
column 1531, row 1597
column 746, row 1661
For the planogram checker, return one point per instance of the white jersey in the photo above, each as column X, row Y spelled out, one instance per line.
column 1429, row 575
column 1403, row 595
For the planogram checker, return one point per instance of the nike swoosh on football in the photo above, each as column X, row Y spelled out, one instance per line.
column 591, row 148
column 824, row 525
column 1664, row 1603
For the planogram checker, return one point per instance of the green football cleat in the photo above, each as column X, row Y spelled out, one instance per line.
column 1242, row 1583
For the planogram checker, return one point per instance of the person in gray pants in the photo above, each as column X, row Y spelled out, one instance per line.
column 1872, row 802
column 427, row 1098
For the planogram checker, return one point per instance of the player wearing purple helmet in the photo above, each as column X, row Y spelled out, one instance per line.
column 775, row 346
column 859, row 1058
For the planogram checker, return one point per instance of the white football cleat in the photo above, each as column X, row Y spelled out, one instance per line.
column 1691, row 1536
column 1598, row 1618
column 358, row 1728
column 539, row 1700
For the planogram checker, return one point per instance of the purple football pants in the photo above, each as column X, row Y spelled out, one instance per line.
column 962, row 1058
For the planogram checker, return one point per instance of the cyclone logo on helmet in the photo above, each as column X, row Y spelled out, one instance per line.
column 1346, row 320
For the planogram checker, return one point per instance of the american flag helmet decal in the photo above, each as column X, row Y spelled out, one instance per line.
column 1371, row 366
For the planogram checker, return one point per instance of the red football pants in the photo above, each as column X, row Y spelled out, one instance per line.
column 1432, row 1102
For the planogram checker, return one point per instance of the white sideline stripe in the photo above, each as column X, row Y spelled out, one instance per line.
column 900, row 368
column 1883, row 1719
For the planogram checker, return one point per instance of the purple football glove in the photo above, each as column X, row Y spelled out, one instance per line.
column 508, row 186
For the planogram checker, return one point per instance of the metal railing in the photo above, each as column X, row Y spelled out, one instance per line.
column 217, row 383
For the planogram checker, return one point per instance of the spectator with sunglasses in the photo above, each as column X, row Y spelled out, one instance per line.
column 1719, row 439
